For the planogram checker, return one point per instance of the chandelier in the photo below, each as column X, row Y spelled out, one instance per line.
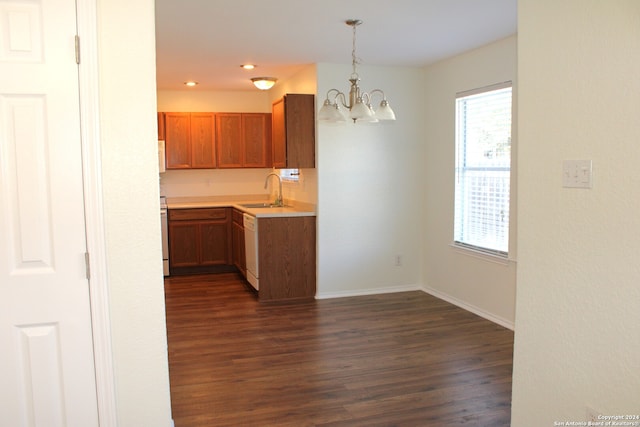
column 357, row 103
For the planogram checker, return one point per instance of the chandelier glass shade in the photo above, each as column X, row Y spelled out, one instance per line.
column 356, row 105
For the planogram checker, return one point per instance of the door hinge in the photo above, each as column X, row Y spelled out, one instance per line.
column 87, row 265
column 77, row 49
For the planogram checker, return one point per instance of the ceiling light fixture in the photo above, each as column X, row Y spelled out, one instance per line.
column 248, row 66
column 264, row 83
column 191, row 83
column 359, row 104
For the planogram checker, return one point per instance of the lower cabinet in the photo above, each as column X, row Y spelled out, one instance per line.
column 287, row 258
column 211, row 240
column 199, row 240
column 238, row 251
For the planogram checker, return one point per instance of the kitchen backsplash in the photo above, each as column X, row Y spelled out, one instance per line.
column 224, row 182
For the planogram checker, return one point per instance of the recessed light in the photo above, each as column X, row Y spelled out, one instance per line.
column 191, row 84
column 248, row 66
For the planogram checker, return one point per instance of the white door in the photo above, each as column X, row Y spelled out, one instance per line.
column 47, row 375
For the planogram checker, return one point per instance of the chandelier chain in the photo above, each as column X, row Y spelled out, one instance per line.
column 354, row 58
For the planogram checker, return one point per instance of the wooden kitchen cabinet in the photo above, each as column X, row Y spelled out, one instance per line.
column 243, row 140
column 256, row 140
column 237, row 232
column 199, row 240
column 190, row 140
column 293, row 131
column 161, row 127
column 287, row 258
column 228, row 136
column 183, row 249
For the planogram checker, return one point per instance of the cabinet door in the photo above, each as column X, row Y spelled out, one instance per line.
column 256, row 138
column 278, row 135
column 229, row 140
column 239, row 248
column 183, row 244
column 203, row 155
column 300, row 131
column 287, row 258
column 160, row 126
column 178, row 140
column 215, row 243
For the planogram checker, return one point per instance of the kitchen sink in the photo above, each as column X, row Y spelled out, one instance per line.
column 261, row 205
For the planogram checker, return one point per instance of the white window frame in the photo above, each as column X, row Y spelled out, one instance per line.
column 473, row 231
column 289, row 175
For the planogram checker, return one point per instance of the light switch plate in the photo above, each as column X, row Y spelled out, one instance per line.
column 577, row 174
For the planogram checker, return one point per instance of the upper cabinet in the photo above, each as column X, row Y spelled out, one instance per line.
column 243, row 140
column 228, row 134
column 293, row 131
column 189, row 140
column 256, row 140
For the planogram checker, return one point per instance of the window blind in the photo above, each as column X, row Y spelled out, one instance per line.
column 483, row 169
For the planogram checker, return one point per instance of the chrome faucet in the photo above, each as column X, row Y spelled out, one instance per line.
column 279, row 201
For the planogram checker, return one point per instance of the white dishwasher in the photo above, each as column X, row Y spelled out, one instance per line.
column 251, row 248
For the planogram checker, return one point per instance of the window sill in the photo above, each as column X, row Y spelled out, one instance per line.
column 496, row 259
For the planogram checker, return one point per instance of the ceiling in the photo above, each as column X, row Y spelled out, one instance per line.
column 208, row 40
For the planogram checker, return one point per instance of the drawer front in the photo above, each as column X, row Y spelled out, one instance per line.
column 197, row 214
column 237, row 216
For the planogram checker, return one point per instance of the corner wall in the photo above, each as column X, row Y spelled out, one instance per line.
column 369, row 188
column 479, row 284
column 577, row 338
column 131, row 211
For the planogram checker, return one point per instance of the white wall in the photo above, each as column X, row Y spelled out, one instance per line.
column 480, row 284
column 577, row 336
column 304, row 81
column 132, row 222
column 370, row 188
column 195, row 100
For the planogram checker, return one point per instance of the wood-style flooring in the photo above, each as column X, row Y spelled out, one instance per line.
column 404, row 359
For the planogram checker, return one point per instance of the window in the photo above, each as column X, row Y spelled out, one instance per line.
column 291, row 175
column 483, row 169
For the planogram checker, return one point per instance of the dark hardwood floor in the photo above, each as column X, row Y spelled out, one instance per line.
column 405, row 359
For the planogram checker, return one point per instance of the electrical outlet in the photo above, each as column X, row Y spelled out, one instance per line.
column 398, row 260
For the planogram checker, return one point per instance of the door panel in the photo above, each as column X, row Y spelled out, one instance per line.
column 228, row 140
column 183, row 244
column 203, row 140
column 256, row 137
column 46, row 362
column 215, row 243
column 279, row 135
column 178, row 140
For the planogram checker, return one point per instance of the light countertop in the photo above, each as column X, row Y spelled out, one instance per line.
column 292, row 208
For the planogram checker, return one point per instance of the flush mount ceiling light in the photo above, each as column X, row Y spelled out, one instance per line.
column 248, row 66
column 359, row 103
column 190, row 83
column 264, row 83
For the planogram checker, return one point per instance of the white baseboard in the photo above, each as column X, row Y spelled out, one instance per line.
column 371, row 291
column 469, row 307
